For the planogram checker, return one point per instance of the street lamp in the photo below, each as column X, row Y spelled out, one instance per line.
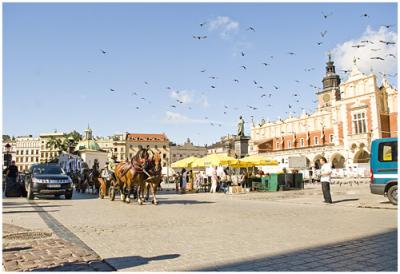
column 7, row 155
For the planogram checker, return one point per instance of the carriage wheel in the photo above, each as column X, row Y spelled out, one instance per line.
column 112, row 193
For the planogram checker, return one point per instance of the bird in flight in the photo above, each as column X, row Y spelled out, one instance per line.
column 255, row 82
column 134, row 93
column 199, row 37
column 345, row 71
column 251, row 28
column 244, row 67
column 367, row 41
column 326, row 15
column 323, row 33
column 173, row 106
column 225, row 106
column 263, row 95
column 319, row 43
column 265, row 64
column 387, row 43
column 358, row 46
column 137, row 107
column 213, row 77
column 242, row 53
column 387, row 26
column 112, row 89
column 202, row 24
column 261, row 87
column 236, row 80
column 392, row 55
column 179, row 101
column 276, row 87
column 375, row 49
column 204, row 70
column 212, row 86
column 146, row 83
column 364, row 15
column 297, row 81
column 290, row 106
column 168, row 87
column 104, row 52
column 291, row 53
column 309, row 69
column 377, row 58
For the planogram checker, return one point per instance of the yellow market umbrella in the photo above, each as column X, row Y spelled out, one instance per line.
column 256, row 160
column 184, row 162
column 214, row 160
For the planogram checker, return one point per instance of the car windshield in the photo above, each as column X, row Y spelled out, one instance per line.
column 47, row 170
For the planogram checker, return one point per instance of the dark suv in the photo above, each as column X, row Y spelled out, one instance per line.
column 47, row 179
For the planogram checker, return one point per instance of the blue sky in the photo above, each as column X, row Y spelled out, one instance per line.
column 56, row 77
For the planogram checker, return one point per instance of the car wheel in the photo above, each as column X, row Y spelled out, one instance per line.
column 392, row 194
column 29, row 193
column 68, row 195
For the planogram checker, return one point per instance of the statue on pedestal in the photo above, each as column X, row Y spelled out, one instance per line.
column 240, row 127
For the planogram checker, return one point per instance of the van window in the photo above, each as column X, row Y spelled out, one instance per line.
column 387, row 152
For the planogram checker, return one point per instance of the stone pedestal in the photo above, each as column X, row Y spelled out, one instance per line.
column 242, row 146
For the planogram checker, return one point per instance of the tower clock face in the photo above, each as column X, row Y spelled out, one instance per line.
column 326, row 98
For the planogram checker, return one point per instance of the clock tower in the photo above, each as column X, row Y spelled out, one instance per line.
column 330, row 86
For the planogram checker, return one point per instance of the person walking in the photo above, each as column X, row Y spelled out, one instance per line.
column 177, row 178
column 184, row 180
column 214, row 180
column 326, row 180
column 12, row 187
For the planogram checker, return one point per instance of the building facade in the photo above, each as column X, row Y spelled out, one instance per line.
column 47, row 151
column 156, row 142
column 179, row 152
column 226, row 146
column 27, row 152
column 348, row 117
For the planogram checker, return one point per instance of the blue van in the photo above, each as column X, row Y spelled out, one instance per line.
column 384, row 168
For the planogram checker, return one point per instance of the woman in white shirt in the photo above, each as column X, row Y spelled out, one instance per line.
column 326, row 172
column 214, row 180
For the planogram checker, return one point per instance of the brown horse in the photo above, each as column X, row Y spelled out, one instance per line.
column 129, row 173
column 154, row 181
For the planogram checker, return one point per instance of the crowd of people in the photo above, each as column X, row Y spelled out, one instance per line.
column 218, row 180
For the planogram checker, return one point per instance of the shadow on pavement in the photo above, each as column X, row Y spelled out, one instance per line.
column 117, row 263
column 345, row 200
column 28, row 211
column 30, row 206
column 373, row 253
column 183, row 202
column 14, row 249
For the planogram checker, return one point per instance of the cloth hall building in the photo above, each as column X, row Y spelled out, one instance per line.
column 349, row 116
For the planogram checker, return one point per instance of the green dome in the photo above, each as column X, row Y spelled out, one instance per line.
column 87, row 144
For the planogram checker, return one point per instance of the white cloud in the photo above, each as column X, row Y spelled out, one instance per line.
column 184, row 96
column 225, row 25
column 344, row 53
column 177, row 118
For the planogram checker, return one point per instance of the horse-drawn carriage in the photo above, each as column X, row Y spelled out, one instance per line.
column 142, row 173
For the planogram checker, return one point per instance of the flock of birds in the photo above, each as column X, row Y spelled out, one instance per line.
column 267, row 92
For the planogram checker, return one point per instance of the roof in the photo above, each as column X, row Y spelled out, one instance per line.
column 146, row 137
column 87, row 145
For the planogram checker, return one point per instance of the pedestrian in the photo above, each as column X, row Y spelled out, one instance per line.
column 214, row 180
column 198, row 181
column 184, row 180
column 326, row 179
column 12, row 188
column 177, row 179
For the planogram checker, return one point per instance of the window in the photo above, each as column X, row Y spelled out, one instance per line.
column 277, row 145
column 173, row 155
column 289, row 144
column 42, row 154
column 315, row 140
column 387, row 152
column 302, row 142
column 164, row 155
column 32, row 151
column 37, row 159
column 115, row 149
column 359, row 125
column 331, row 138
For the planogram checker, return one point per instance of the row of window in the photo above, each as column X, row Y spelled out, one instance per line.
column 27, row 159
column 144, row 139
column 181, row 155
column 316, row 142
column 21, row 152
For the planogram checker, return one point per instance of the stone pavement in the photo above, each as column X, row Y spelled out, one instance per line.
column 281, row 231
column 28, row 250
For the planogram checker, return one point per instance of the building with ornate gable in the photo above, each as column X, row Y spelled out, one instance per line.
column 349, row 116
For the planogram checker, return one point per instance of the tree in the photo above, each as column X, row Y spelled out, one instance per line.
column 74, row 134
column 6, row 138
